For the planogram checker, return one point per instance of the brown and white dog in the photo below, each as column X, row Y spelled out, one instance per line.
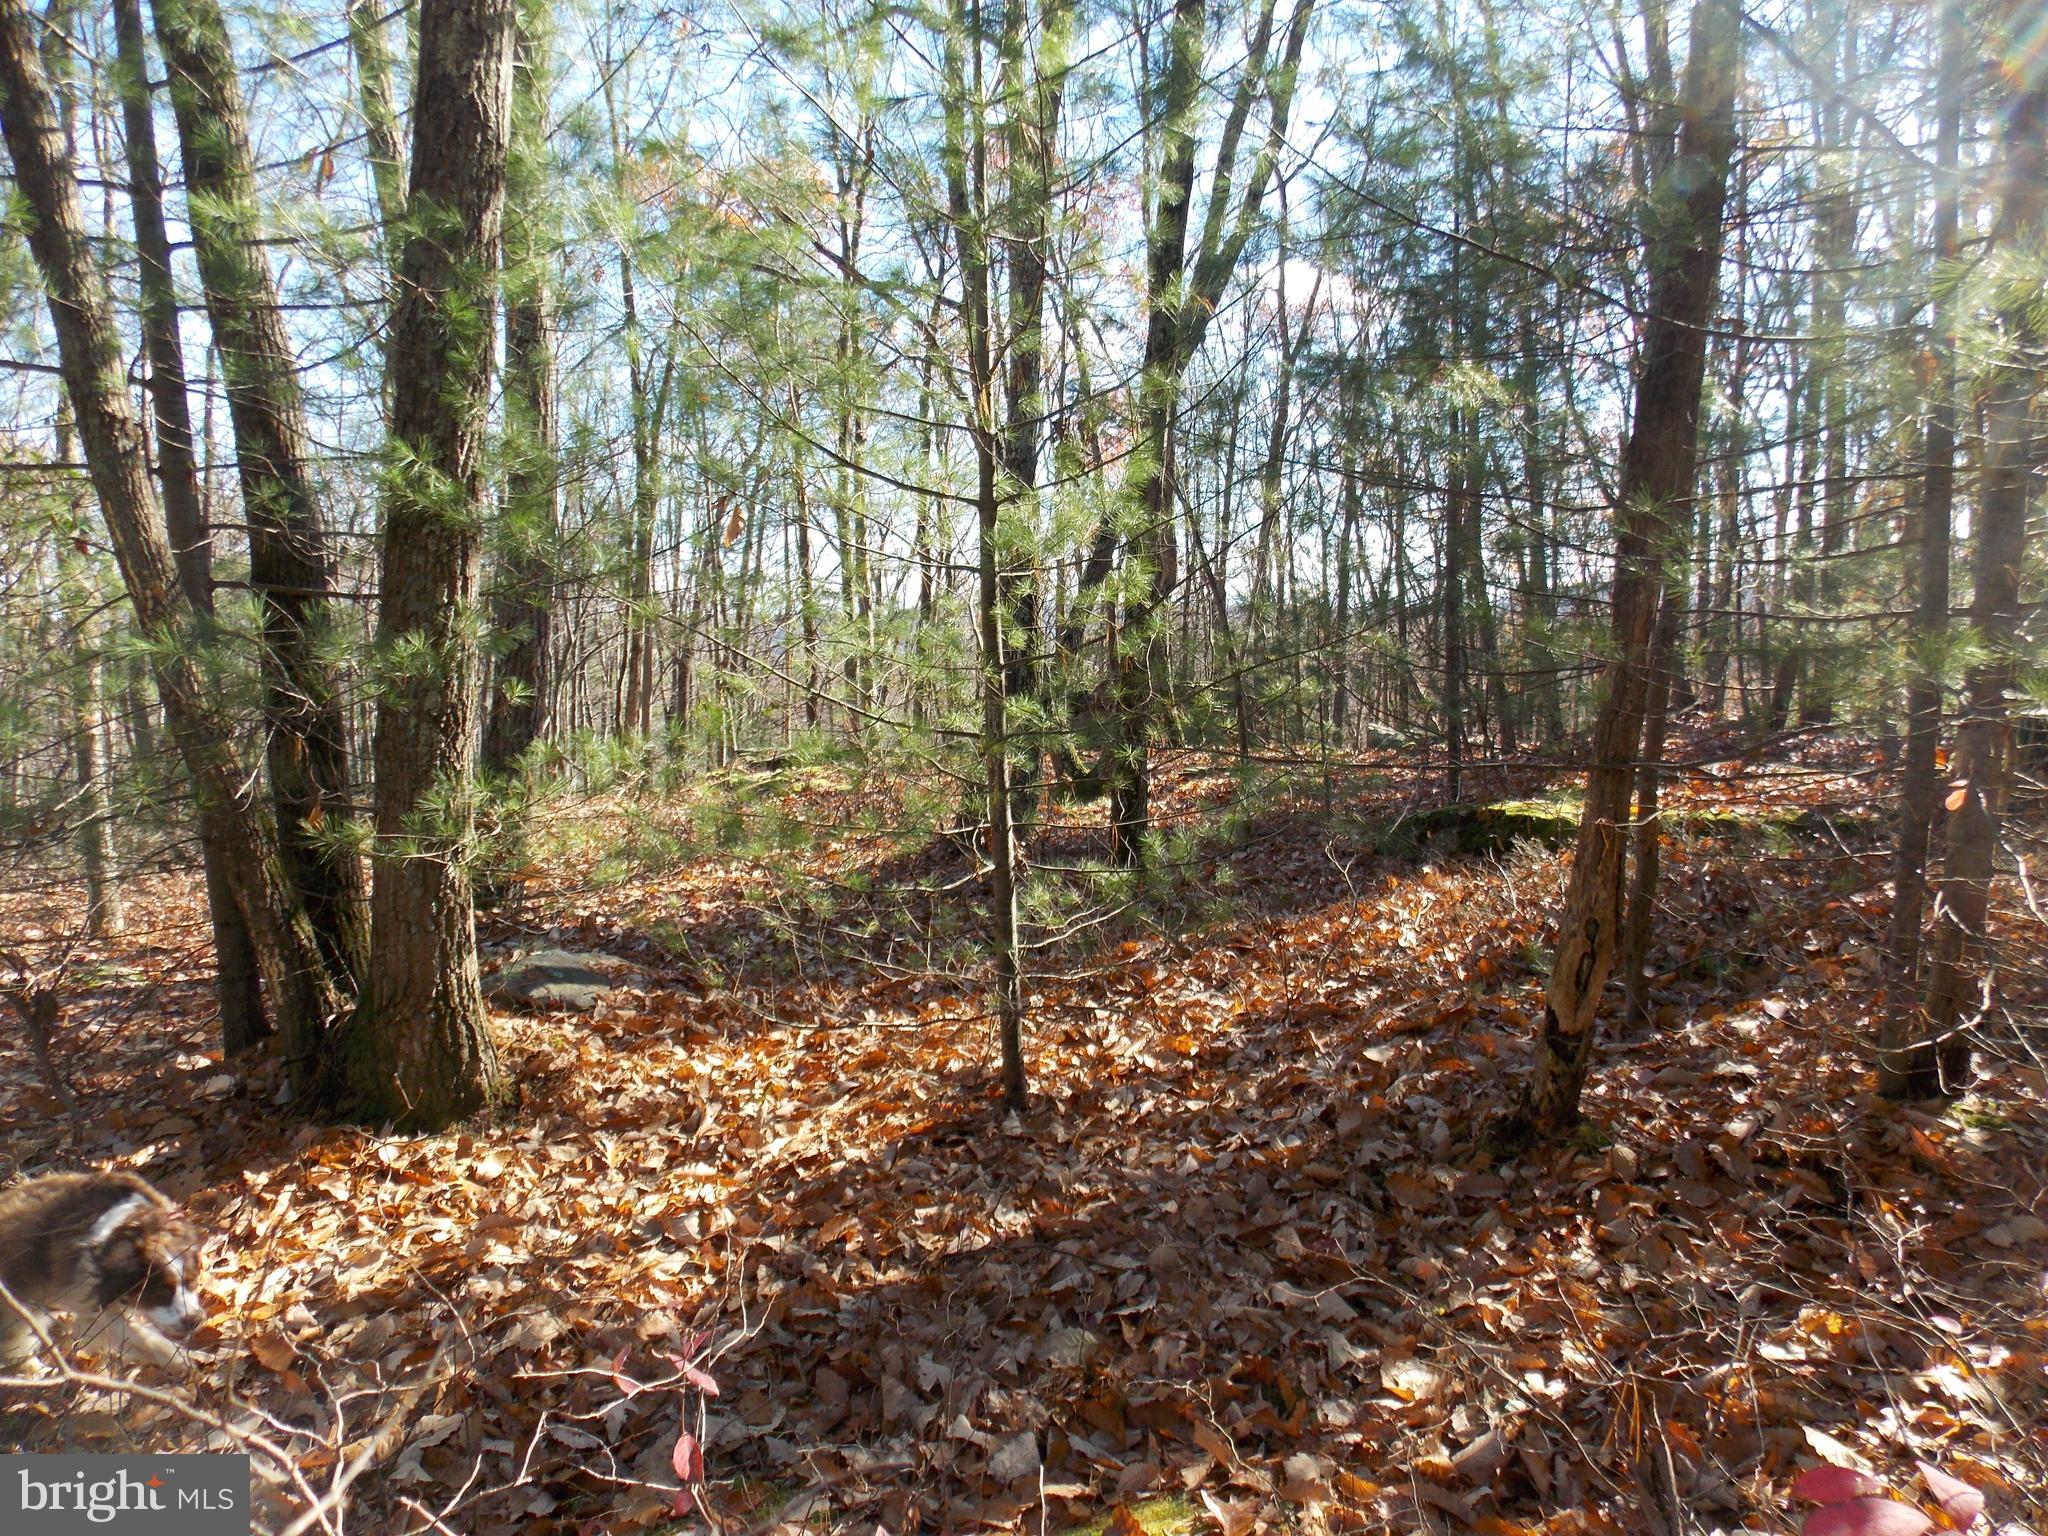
column 105, row 1247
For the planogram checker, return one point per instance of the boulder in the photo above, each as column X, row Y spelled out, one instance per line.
column 554, row 978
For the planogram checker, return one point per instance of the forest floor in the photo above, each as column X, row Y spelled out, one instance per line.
column 1255, row 1259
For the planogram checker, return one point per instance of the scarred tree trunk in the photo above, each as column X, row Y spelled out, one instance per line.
column 289, row 564
column 1639, row 917
column 420, row 1051
column 89, row 346
column 1960, row 983
column 1657, row 478
column 236, row 993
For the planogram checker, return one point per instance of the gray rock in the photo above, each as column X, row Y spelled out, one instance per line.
column 553, row 978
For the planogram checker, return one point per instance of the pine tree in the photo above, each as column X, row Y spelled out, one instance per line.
column 420, row 1050
column 305, row 997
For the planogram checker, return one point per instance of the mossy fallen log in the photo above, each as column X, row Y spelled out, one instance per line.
column 1496, row 826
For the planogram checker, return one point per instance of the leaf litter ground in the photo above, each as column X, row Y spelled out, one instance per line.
column 1255, row 1248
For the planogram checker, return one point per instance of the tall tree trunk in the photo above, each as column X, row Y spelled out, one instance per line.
column 1034, row 92
column 375, row 100
column 1179, row 303
column 289, row 564
column 1961, row 982
column 1804, row 435
column 1541, row 609
column 650, row 417
column 930, row 513
column 1452, row 616
column 421, row 1051
column 93, row 812
column 1647, row 832
column 649, row 413
column 1340, row 700
column 237, row 994
column 1907, row 1062
column 522, row 599
column 1136, row 660
column 1503, row 701
column 966, row 171
column 1267, row 561
column 807, row 595
column 1091, row 601
column 89, row 346
column 1718, row 599
column 1657, row 483
column 853, row 176
column 636, row 714
column 1834, row 242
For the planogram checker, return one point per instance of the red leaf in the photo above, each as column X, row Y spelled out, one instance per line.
column 1826, row 1484
column 626, row 1385
column 688, row 1459
column 1958, row 1500
column 695, row 1375
column 1957, row 799
column 1868, row 1517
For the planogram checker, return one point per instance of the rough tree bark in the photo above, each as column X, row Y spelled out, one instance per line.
column 420, row 1050
column 289, row 564
column 1657, row 482
column 237, row 994
column 89, row 344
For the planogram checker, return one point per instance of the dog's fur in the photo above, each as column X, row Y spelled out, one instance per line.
column 105, row 1247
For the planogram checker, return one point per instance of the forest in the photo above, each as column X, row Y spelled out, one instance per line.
column 1101, row 767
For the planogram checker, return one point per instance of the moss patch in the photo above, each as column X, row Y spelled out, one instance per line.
column 1170, row 1515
